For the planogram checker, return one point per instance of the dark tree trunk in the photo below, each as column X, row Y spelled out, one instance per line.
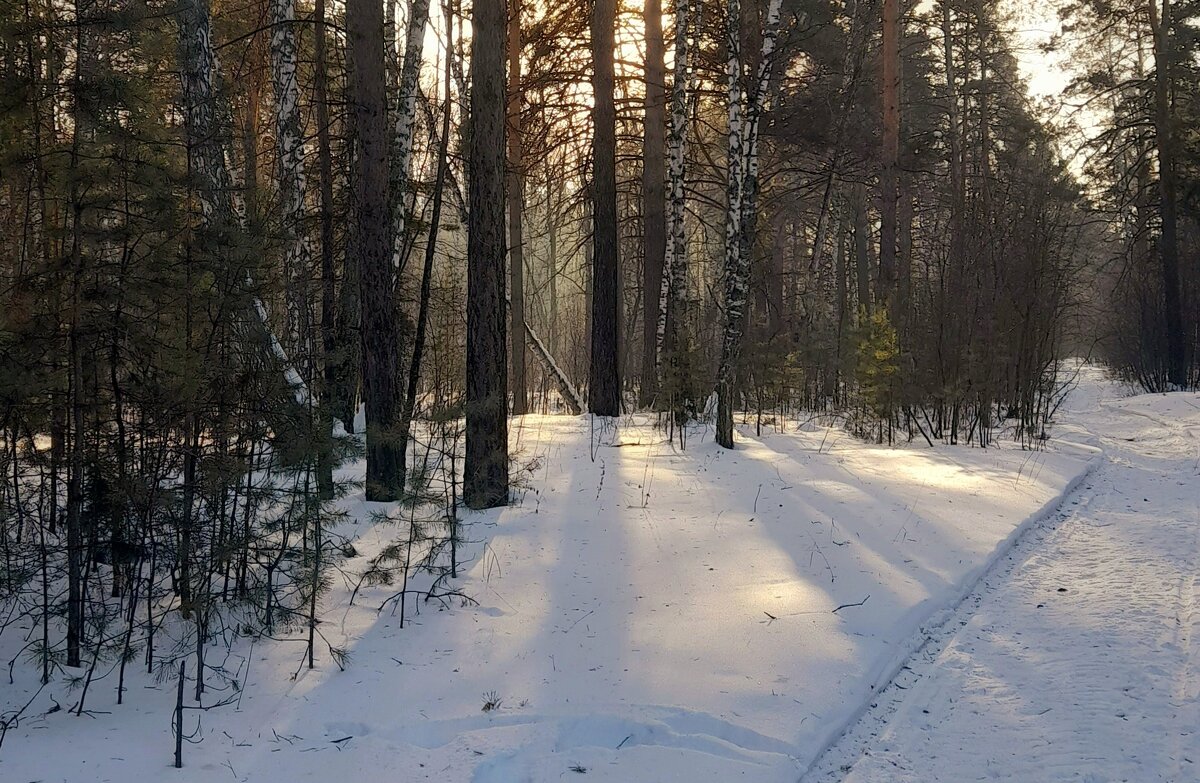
column 862, row 257
column 435, row 220
column 516, row 206
column 890, row 86
column 380, row 336
column 75, row 376
column 604, row 390
column 329, row 347
column 1169, row 250
column 485, row 469
column 654, row 199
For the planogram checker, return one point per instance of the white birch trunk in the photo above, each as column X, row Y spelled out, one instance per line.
column 197, row 74
column 405, row 114
column 745, row 112
column 674, row 283
column 290, row 144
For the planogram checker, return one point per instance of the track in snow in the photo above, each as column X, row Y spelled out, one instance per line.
column 1074, row 659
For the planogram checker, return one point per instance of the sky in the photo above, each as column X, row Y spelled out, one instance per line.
column 1036, row 23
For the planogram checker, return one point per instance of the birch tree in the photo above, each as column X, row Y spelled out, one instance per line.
column 207, row 150
column 671, row 325
column 289, row 140
column 405, row 115
column 741, row 216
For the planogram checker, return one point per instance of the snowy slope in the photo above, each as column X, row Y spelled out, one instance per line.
column 645, row 615
column 1080, row 663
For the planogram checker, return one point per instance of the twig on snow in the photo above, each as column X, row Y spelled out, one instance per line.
column 847, row 606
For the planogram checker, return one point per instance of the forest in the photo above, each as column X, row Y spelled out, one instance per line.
column 274, row 269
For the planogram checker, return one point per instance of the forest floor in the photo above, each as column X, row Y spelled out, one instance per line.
column 1076, row 661
column 649, row 614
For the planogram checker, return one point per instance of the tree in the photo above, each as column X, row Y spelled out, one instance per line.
column 889, row 196
column 405, row 114
column 1160, row 25
column 1136, row 75
column 654, row 231
column 485, row 470
column 672, row 328
column 289, row 139
column 380, row 335
column 744, row 115
column 333, row 360
column 516, row 207
column 604, row 388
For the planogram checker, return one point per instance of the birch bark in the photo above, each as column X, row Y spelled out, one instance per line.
column 207, row 154
column 672, row 296
column 405, row 113
column 290, row 147
column 745, row 113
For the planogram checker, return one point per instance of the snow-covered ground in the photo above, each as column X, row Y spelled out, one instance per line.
column 1076, row 662
column 647, row 614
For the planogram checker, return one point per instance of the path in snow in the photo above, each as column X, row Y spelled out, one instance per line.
column 645, row 614
column 1076, row 661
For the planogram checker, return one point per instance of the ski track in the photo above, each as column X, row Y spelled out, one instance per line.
column 1073, row 660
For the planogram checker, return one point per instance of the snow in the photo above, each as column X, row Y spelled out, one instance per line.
column 643, row 614
column 1076, row 662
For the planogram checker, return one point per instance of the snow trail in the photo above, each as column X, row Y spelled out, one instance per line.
column 645, row 614
column 1077, row 661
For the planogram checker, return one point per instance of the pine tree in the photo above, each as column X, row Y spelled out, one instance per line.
column 485, row 470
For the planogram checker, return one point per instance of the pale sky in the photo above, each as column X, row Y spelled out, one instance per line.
column 1036, row 21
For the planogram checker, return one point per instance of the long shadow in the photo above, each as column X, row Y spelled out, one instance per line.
column 859, row 537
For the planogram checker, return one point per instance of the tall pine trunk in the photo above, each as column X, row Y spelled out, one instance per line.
column 604, row 389
column 1164, row 139
column 485, row 469
column 888, row 197
column 654, row 232
column 75, row 546
column 333, row 359
column 380, row 336
column 516, row 206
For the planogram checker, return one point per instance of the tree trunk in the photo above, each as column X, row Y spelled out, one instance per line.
column 289, row 140
column 329, row 347
column 206, row 143
column 405, row 113
column 439, row 186
column 890, row 87
column 742, row 206
column 516, row 206
column 672, row 327
column 654, row 232
column 75, row 625
column 380, row 337
column 1165, row 142
column 862, row 254
column 735, row 283
column 604, row 390
column 485, row 469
